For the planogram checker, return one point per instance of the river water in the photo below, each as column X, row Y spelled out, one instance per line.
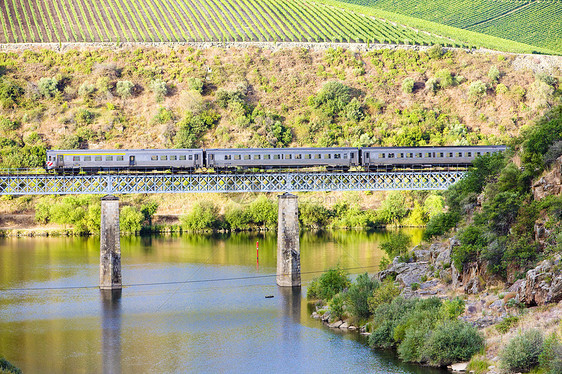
column 190, row 304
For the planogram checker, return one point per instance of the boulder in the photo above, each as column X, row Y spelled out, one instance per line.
column 422, row 255
column 459, row 367
column 405, row 273
column 550, row 183
column 542, row 285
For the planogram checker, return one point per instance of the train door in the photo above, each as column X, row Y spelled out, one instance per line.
column 131, row 160
column 60, row 160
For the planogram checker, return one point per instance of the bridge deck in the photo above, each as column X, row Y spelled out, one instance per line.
column 249, row 182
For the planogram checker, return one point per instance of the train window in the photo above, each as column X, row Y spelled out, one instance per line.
column 428, row 155
column 478, row 153
column 345, row 155
column 163, row 158
column 401, row 155
column 196, row 157
column 328, row 156
column 119, row 158
column 108, row 158
column 276, row 157
column 308, row 156
column 381, row 155
column 87, row 158
column 468, row 154
column 227, row 157
column 337, row 156
column 487, row 153
column 267, row 157
column 441, row 154
column 391, row 155
column 182, row 157
column 419, row 155
column 154, row 158
column 256, row 157
column 317, row 156
column 76, row 158
column 409, row 155
column 237, row 157
column 98, row 158
column 366, row 154
column 459, row 154
column 352, row 155
column 172, row 158
column 288, row 157
column 246, row 157
column 298, row 157
column 190, row 158
column 450, row 154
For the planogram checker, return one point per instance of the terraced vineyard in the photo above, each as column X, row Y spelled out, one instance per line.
column 535, row 22
column 36, row 21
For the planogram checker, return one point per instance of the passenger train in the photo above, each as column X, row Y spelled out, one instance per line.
column 232, row 159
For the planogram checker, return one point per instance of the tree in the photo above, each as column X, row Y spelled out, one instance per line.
column 124, row 89
column 48, row 87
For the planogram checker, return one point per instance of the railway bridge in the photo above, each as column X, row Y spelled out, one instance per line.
column 288, row 246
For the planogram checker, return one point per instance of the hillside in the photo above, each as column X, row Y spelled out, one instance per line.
column 537, row 23
column 196, row 20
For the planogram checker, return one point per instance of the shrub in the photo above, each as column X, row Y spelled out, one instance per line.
column 337, row 307
column 551, row 355
column 236, row 217
column 84, row 117
column 384, row 294
column 7, row 368
column 86, row 90
column 8, row 125
column 130, row 219
column 158, row 86
column 48, row 87
column 411, row 347
column 440, row 224
column 452, row 341
column 329, row 284
column 332, row 97
column 501, row 89
column 408, row 85
column 124, row 89
column 505, row 325
column 522, row 352
column 164, row 115
column 396, row 245
column 354, row 110
column 432, row 85
column 10, row 93
column 435, row 52
column 494, row 73
column 203, row 216
column 477, row 89
column 195, row 84
column 445, row 78
column 263, row 212
column 358, row 294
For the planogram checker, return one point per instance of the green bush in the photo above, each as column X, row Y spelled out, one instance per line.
column 384, row 294
column 192, row 126
column 328, row 284
column 7, row 368
column 203, row 216
column 195, row 84
column 158, row 86
column 236, row 217
column 440, row 224
column 164, row 115
column 432, row 85
column 452, row 341
column 522, row 352
column 337, row 307
column 408, row 85
column 7, row 124
column 48, row 87
column 84, row 117
column 435, row 52
column 505, row 325
column 358, row 294
column 477, row 89
column 332, row 97
column 397, row 244
column 494, row 73
column 86, row 90
column 445, row 78
column 550, row 358
column 124, row 89
column 10, row 93
column 130, row 219
column 263, row 212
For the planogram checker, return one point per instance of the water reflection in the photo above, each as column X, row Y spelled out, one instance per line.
column 111, row 330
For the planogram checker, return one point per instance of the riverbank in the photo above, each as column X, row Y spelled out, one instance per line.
column 501, row 312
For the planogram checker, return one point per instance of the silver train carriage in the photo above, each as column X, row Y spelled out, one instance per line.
column 385, row 157
column 269, row 158
column 124, row 159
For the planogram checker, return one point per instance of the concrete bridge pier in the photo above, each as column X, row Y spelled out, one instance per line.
column 288, row 244
column 110, row 245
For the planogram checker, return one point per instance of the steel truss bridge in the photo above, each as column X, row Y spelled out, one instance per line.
column 42, row 184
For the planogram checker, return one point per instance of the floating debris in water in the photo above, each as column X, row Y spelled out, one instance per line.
column 269, row 297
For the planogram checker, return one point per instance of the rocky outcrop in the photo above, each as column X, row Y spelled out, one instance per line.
column 550, row 183
column 543, row 284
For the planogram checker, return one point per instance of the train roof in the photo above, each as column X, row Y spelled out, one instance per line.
column 123, row 150
column 440, row 147
column 282, row 149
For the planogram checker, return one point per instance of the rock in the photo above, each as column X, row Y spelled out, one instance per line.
column 459, row 367
column 411, row 273
column 422, row 255
column 429, row 284
column 315, row 315
column 352, row 328
column 542, row 285
column 335, row 325
column 498, row 304
column 550, row 183
column 515, row 286
column 344, row 326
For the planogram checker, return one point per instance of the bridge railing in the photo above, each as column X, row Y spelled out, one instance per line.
column 43, row 184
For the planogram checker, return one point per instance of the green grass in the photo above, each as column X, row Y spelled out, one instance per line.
column 526, row 21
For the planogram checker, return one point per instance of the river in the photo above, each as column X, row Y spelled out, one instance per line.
column 191, row 303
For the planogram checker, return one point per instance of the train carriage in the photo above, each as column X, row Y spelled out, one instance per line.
column 269, row 158
column 124, row 159
column 407, row 157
